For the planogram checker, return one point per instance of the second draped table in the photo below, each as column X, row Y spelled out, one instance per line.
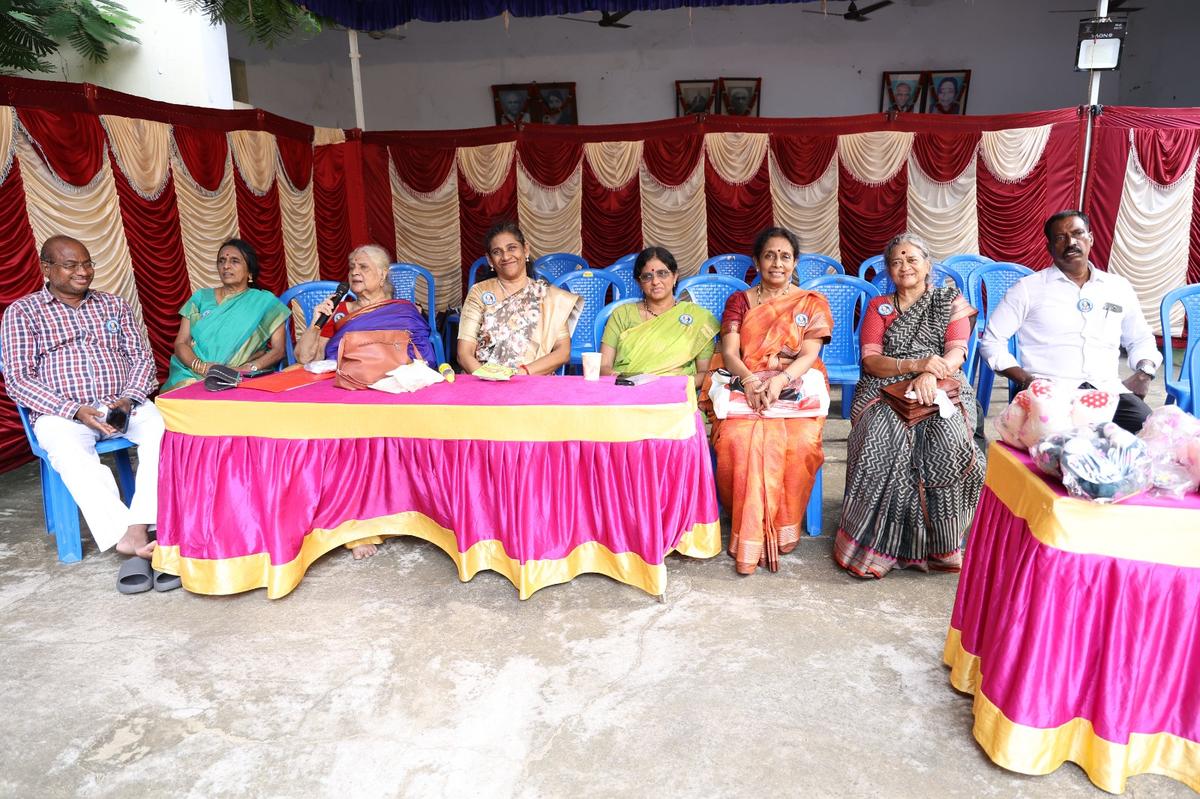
column 538, row 478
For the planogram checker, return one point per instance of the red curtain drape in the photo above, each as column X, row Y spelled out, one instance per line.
column 204, row 153
column 869, row 216
column 20, row 274
column 944, row 156
column 736, row 212
column 422, row 168
column 478, row 212
column 159, row 265
column 549, row 162
column 612, row 220
column 377, row 193
column 330, row 215
column 71, row 144
column 1110, row 154
column 297, row 159
column 803, row 159
column 671, row 161
column 259, row 224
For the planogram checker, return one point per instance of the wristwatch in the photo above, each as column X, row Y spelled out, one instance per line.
column 1147, row 368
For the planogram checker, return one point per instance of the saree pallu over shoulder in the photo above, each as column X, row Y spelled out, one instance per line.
column 766, row 467
column 518, row 329
column 910, row 492
column 386, row 315
column 228, row 332
column 668, row 344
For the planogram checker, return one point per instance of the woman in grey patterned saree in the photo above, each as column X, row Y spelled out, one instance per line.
column 910, row 491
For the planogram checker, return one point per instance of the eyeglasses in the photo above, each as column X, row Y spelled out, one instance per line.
column 72, row 266
column 661, row 274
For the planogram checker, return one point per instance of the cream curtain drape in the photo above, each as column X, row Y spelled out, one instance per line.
column 874, row 158
column 614, row 163
column 810, row 211
column 206, row 219
column 944, row 214
column 255, row 154
column 427, row 233
column 736, row 157
column 1012, row 154
column 674, row 217
column 485, row 167
column 299, row 231
column 550, row 216
column 143, row 150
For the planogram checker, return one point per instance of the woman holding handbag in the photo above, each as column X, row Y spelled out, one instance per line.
column 913, row 472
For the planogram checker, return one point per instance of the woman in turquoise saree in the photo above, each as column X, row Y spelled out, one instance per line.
column 231, row 324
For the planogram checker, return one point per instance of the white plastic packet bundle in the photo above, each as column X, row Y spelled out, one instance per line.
column 408, row 378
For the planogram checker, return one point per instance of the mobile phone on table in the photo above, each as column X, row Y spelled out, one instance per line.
column 623, row 380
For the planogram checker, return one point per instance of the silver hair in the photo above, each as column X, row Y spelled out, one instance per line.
column 906, row 238
column 375, row 254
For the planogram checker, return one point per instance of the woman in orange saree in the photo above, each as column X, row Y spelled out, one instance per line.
column 768, row 457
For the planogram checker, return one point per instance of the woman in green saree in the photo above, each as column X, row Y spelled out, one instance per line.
column 657, row 335
column 232, row 324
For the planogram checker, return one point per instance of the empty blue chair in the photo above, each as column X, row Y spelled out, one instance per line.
column 307, row 297
column 986, row 287
column 556, row 264
column 729, row 265
column 622, row 271
column 450, row 323
column 1180, row 386
column 404, row 277
column 58, row 506
column 710, row 291
column 602, row 315
column 848, row 297
column 965, row 264
column 596, row 287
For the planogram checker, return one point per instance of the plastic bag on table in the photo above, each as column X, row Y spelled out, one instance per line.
column 1048, row 408
column 1107, row 464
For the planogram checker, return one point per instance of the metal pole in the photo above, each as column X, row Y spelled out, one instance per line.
column 1093, row 100
column 356, row 79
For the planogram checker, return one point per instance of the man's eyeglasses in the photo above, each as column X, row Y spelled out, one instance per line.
column 661, row 274
column 72, row 266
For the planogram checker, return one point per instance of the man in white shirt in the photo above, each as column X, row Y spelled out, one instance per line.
column 1071, row 321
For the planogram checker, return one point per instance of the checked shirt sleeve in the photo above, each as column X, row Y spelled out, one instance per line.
column 18, row 341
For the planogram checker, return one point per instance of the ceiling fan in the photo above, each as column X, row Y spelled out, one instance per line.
column 606, row 20
column 853, row 12
column 1114, row 7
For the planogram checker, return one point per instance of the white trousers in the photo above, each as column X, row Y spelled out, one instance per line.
column 71, row 446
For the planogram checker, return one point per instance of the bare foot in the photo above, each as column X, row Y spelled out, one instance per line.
column 136, row 541
column 364, row 551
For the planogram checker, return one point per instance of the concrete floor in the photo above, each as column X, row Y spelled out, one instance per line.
column 391, row 678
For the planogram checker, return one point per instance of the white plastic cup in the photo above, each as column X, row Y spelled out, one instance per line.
column 591, row 366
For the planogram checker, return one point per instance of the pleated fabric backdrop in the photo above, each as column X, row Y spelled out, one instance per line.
column 153, row 188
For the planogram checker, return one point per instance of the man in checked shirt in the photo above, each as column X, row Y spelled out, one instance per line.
column 71, row 354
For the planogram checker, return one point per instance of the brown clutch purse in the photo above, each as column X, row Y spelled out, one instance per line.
column 365, row 357
column 909, row 410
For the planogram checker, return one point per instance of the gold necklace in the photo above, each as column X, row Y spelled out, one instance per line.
column 226, row 294
column 786, row 289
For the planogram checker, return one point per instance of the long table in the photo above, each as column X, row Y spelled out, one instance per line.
column 1077, row 629
column 538, row 478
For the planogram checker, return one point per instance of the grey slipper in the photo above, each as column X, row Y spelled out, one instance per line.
column 134, row 576
column 166, row 582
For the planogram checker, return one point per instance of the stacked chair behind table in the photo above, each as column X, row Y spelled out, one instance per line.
column 1181, row 388
column 405, row 278
column 58, row 506
column 986, row 287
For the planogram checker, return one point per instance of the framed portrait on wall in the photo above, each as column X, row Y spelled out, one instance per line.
column 739, row 97
column 695, row 97
column 903, row 92
column 947, row 92
column 512, row 102
column 554, row 104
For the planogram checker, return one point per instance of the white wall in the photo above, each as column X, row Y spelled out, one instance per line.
column 181, row 59
column 1158, row 67
column 439, row 75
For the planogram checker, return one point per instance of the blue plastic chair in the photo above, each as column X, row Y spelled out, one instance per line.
column 1193, row 404
column 1180, row 387
column 58, row 506
column 450, row 323
column 986, row 287
column 710, row 291
column 404, row 277
column 622, row 272
column 556, row 264
column 965, row 264
column 810, row 265
column 624, row 259
column 848, row 297
column 871, row 267
column 595, row 286
column 729, row 265
column 602, row 315
column 307, row 297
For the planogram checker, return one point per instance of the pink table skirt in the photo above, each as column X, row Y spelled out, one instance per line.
column 1076, row 655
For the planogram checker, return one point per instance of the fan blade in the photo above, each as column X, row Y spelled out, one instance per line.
column 874, row 7
column 608, row 20
column 577, row 19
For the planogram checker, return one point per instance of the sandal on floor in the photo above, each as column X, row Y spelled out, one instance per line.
column 134, row 576
column 166, row 582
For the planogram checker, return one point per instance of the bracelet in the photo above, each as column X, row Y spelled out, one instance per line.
column 753, row 377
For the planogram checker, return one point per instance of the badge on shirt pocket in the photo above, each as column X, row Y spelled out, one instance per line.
column 112, row 326
column 685, row 319
column 488, row 298
column 801, row 319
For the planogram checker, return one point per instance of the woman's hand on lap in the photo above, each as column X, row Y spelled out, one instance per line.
column 925, row 386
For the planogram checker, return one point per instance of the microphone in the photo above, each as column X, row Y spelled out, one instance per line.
column 338, row 295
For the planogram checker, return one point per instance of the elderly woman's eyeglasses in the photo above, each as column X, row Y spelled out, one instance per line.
column 661, row 274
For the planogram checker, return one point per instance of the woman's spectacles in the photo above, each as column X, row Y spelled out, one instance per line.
column 661, row 274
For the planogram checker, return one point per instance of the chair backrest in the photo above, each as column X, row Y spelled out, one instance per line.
column 624, row 259
column 871, row 267
column 710, row 291
column 811, row 264
column 602, row 315
column 306, row 296
column 554, row 265
column 406, row 283
column 1192, row 358
column 966, row 263
column 622, row 272
column 1189, row 296
column 848, row 297
column 480, row 264
column 987, row 285
column 595, row 286
column 730, row 265
column 939, row 274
